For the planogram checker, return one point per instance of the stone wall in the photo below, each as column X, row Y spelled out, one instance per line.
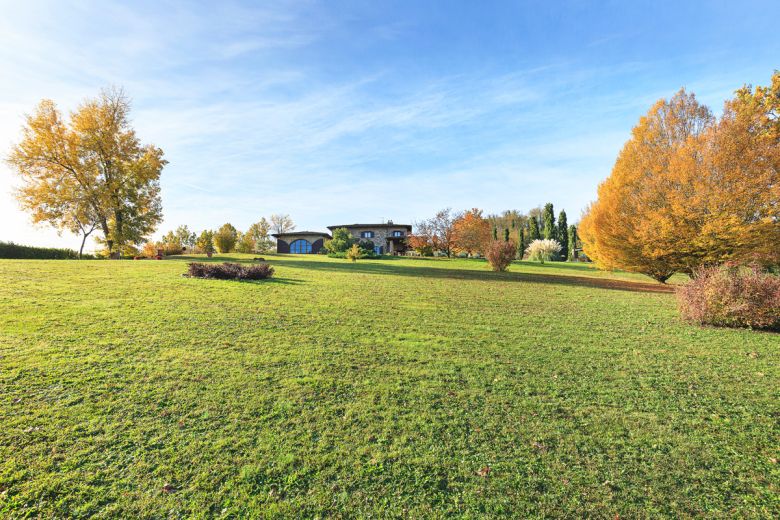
column 380, row 234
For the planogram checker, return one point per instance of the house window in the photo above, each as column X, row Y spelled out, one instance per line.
column 300, row 246
column 398, row 233
column 366, row 234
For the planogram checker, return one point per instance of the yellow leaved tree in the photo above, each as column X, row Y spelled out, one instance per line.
column 688, row 190
column 90, row 171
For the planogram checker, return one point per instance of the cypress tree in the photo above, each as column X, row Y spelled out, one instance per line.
column 563, row 235
column 506, row 235
column 533, row 229
column 495, row 232
column 520, row 243
column 548, row 222
column 572, row 241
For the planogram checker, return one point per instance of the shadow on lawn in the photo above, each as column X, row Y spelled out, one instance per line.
column 381, row 267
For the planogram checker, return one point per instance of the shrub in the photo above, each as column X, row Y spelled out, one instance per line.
column 11, row 250
column 366, row 245
column 171, row 248
column 149, row 250
column 732, row 296
column 500, row 254
column 229, row 271
column 341, row 242
column 544, row 249
column 354, row 252
column 363, row 254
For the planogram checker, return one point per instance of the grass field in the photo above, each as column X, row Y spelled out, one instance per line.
column 386, row 388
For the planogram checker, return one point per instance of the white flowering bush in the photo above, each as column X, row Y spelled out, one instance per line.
column 541, row 250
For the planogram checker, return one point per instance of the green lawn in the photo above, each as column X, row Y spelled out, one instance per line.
column 382, row 388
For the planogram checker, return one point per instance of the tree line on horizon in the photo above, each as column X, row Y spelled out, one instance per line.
column 471, row 232
column 225, row 239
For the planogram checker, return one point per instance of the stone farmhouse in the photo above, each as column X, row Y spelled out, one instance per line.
column 388, row 238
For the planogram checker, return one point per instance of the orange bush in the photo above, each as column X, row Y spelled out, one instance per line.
column 500, row 254
column 732, row 297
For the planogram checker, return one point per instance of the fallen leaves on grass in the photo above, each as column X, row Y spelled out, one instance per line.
column 484, row 471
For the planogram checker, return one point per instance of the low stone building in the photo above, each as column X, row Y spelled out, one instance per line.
column 300, row 242
column 388, row 238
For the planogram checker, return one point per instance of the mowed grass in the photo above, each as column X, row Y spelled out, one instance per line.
column 385, row 388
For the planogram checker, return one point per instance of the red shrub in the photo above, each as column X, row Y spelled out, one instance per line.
column 229, row 271
column 732, row 297
column 500, row 254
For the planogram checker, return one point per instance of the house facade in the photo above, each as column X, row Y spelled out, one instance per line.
column 388, row 238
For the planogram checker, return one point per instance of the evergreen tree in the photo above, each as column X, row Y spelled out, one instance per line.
column 506, row 235
column 495, row 232
column 563, row 235
column 533, row 229
column 548, row 222
column 520, row 243
column 572, row 241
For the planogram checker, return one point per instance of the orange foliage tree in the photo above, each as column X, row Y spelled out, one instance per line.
column 471, row 232
column 688, row 191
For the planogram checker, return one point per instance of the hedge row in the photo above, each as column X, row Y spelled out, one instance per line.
column 229, row 271
column 11, row 250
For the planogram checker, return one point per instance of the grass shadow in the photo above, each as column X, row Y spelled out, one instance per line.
column 384, row 268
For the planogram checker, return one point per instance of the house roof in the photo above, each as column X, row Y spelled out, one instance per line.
column 300, row 234
column 384, row 225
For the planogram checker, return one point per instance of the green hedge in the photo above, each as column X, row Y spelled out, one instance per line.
column 11, row 250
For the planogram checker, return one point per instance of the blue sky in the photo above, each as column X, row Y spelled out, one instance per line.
column 339, row 112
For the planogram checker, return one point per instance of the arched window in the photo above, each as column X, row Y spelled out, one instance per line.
column 300, row 246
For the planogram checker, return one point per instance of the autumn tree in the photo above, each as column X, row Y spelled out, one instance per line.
column 435, row 233
column 185, row 237
column 245, row 243
column 563, row 235
column 282, row 224
column 89, row 170
column 170, row 244
column 225, row 238
column 689, row 191
column 205, row 242
column 722, row 192
column 442, row 227
column 422, row 239
column 471, row 232
column 260, row 233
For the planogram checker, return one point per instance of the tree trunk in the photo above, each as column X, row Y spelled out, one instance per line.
column 106, row 234
column 81, row 249
column 84, row 240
